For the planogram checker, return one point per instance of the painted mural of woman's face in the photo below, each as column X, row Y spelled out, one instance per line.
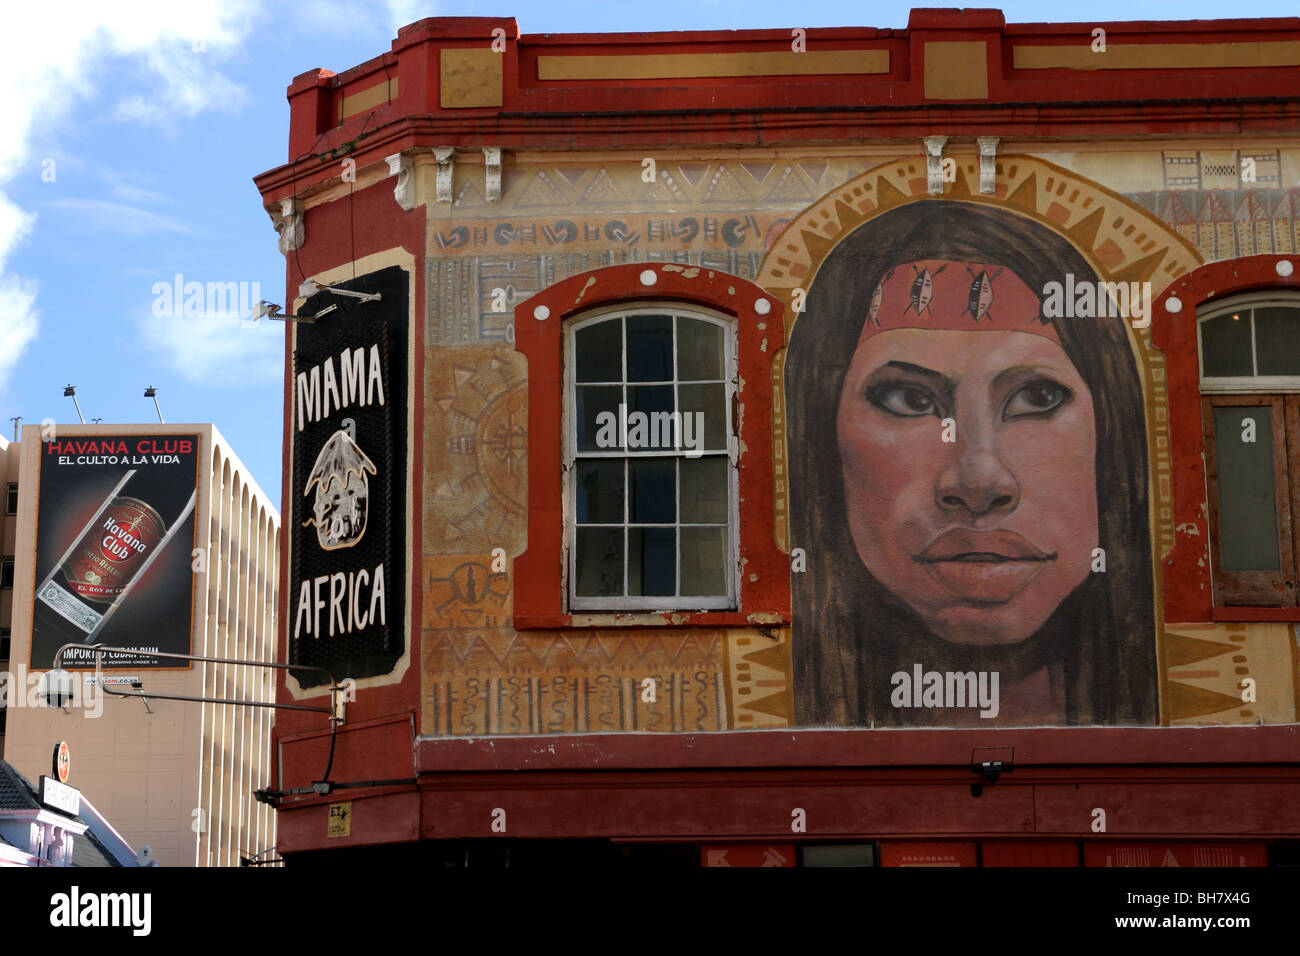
column 985, row 525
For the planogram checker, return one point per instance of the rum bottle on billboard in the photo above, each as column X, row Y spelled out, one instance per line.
column 96, row 573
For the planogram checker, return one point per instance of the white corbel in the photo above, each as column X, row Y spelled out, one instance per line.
column 401, row 166
column 492, row 165
column 988, row 163
column 934, row 163
column 286, row 218
column 446, row 157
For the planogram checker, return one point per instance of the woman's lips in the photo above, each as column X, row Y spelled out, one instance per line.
column 983, row 567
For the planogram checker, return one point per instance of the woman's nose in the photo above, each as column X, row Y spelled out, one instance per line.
column 976, row 480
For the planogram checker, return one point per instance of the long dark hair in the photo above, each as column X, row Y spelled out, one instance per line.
column 850, row 633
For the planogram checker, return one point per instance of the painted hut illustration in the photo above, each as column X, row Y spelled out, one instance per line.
column 342, row 492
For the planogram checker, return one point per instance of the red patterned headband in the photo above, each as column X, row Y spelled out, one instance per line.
column 964, row 296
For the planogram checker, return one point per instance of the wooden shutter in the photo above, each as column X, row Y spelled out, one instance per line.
column 1245, row 526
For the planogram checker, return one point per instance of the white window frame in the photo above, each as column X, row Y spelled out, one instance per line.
column 686, row 603
column 1233, row 384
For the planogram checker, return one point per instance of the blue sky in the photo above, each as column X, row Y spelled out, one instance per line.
column 128, row 158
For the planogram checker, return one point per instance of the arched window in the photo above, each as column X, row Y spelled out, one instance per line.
column 650, row 459
column 1249, row 349
column 655, row 494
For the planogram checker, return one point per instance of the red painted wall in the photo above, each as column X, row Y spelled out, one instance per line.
column 1187, row 591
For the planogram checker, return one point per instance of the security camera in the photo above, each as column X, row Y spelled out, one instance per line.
column 56, row 688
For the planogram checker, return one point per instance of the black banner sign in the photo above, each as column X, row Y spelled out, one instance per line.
column 347, row 577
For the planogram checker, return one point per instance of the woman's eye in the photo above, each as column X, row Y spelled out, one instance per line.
column 1036, row 398
column 906, row 400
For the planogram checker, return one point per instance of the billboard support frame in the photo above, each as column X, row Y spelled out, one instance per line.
column 336, row 710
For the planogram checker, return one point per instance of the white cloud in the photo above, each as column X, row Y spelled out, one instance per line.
column 118, row 218
column 55, row 58
column 19, row 318
column 120, row 188
column 18, row 306
column 346, row 17
column 218, row 350
column 405, row 12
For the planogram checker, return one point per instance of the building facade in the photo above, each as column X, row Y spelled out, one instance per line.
column 8, row 541
column 792, row 439
column 155, row 538
column 36, row 831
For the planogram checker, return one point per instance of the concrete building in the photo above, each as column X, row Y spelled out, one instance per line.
column 8, row 532
column 174, row 776
column 780, row 439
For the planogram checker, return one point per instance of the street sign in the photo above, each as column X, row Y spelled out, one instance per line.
column 59, row 796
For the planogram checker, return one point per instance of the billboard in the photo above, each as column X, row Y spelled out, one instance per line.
column 347, row 578
column 115, row 535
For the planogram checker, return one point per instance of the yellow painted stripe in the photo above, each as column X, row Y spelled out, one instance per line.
column 1157, row 56
column 679, row 66
column 367, row 99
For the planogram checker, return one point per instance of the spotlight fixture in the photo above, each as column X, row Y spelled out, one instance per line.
column 306, row 290
column 271, row 310
column 990, row 763
column 70, row 391
column 310, row 287
column 151, row 392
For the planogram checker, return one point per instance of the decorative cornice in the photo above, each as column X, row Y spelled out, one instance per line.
column 287, row 219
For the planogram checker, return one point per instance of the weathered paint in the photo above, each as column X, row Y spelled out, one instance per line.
column 1092, row 148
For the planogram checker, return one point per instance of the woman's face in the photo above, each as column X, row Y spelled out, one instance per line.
column 984, row 535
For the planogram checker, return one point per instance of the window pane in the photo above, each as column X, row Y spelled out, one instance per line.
column 704, row 561
column 1247, row 499
column 596, row 417
column 1277, row 340
column 1225, row 345
column 653, row 427
column 704, row 490
column 706, row 406
column 699, row 350
column 654, row 490
column 598, row 562
column 649, row 348
column 600, row 492
column 652, row 562
column 600, row 352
